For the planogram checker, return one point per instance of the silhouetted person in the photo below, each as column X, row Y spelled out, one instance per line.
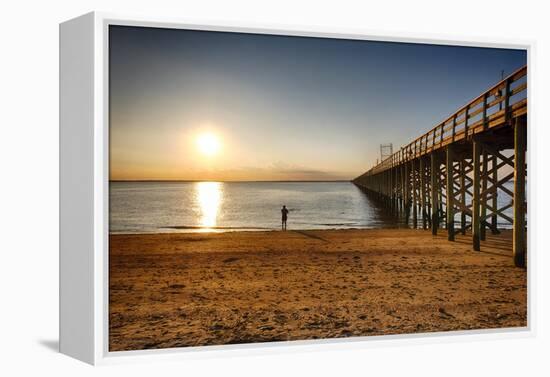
column 284, row 216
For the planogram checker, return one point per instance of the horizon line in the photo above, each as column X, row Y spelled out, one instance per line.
column 228, row 181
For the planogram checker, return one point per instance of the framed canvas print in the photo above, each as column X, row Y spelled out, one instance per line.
column 224, row 187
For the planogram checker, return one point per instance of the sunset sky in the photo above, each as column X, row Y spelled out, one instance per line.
column 195, row 105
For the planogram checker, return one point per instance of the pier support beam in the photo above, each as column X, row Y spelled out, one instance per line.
column 407, row 193
column 414, row 194
column 449, row 182
column 397, row 188
column 476, row 193
column 462, row 196
column 403, row 188
column 434, row 178
column 519, row 236
column 422, row 177
column 494, row 183
column 394, row 190
column 483, row 199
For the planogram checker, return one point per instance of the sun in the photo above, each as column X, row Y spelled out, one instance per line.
column 208, row 144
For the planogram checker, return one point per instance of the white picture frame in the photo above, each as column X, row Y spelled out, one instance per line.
column 84, row 178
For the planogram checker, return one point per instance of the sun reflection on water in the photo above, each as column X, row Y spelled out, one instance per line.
column 209, row 198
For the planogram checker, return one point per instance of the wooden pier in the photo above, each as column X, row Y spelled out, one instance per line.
column 450, row 177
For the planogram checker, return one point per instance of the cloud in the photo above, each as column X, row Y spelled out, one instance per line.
column 280, row 170
column 276, row 171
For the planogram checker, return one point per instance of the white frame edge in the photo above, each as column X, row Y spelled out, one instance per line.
column 77, row 273
column 84, row 181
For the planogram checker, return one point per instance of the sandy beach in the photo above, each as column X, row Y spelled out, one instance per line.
column 177, row 290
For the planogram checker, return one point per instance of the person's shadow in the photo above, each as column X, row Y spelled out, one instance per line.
column 52, row 345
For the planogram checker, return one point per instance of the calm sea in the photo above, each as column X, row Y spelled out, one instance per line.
column 155, row 207
column 137, row 207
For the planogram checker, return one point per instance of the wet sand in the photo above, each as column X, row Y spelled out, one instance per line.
column 177, row 290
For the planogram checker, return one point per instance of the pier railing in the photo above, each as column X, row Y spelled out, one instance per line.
column 493, row 108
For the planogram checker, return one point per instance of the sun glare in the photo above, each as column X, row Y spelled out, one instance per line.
column 209, row 197
column 208, row 144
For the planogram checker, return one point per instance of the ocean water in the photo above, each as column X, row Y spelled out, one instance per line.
column 145, row 207
column 160, row 207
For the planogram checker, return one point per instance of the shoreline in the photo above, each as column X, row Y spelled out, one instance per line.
column 222, row 229
column 190, row 289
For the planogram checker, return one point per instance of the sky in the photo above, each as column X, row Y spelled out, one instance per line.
column 278, row 107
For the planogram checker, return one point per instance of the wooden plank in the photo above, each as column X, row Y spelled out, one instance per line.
column 494, row 102
column 473, row 113
column 518, row 89
column 519, row 74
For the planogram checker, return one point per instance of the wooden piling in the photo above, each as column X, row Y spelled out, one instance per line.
column 440, row 197
column 483, row 196
column 427, row 196
column 422, row 177
column 519, row 236
column 494, row 183
column 404, row 186
column 414, row 195
column 407, row 193
column 463, row 196
column 400, row 188
column 433, row 187
column 450, row 194
column 476, row 152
